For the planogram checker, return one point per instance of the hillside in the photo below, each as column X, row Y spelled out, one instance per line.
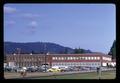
column 37, row 47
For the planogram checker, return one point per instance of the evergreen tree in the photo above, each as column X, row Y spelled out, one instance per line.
column 33, row 52
column 5, row 57
column 66, row 51
column 76, row 51
column 113, row 50
column 82, row 51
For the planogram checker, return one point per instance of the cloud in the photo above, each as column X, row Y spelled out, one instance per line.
column 30, row 15
column 33, row 24
column 9, row 10
column 31, row 29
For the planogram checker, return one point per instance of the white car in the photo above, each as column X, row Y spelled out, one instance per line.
column 21, row 70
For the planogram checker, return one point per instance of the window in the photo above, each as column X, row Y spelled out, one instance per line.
column 91, row 58
column 88, row 58
column 58, row 58
column 60, row 63
column 39, row 59
column 67, row 63
column 62, row 58
column 98, row 58
column 77, row 58
column 98, row 64
column 103, row 58
column 10, row 58
column 86, row 64
column 71, row 64
column 82, row 58
column 94, row 58
column 68, row 58
column 15, row 58
column 71, row 58
column 82, row 63
column 110, row 59
column 53, row 58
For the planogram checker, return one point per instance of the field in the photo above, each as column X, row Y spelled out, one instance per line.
column 90, row 75
column 93, row 75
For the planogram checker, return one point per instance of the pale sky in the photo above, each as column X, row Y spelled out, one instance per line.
column 88, row 26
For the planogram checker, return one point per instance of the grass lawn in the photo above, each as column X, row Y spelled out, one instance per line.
column 93, row 75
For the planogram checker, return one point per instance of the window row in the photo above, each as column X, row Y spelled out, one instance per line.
column 106, row 58
column 75, row 58
column 26, row 59
column 74, row 64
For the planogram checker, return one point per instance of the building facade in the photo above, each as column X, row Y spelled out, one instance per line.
column 91, row 60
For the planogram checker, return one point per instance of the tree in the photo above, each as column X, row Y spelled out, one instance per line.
column 33, row 52
column 66, row 51
column 60, row 52
column 113, row 50
column 78, row 51
column 5, row 57
column 82, row 51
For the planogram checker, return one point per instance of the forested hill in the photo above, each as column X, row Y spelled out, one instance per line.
column 37, row 47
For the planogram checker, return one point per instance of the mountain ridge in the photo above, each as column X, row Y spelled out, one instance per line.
column 37, row 47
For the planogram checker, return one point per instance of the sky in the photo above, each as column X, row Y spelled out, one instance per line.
column 88, row 26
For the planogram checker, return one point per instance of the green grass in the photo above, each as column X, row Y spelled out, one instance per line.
column 92, row 75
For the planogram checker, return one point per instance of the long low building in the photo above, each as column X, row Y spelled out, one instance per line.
column 91, row 60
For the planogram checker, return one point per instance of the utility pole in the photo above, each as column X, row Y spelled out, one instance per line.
column 46, row 53
column 100, row 68
column 18, row 52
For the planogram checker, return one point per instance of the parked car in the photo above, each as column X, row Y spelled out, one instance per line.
column 20, row 70
column 54, row 70
column 7, row 69
column 85, row 68
column 30, row 69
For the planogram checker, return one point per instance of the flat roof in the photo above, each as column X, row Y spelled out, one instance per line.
column 85, row 54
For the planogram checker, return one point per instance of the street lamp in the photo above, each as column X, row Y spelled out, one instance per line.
column 46, row 61
column 45, row 55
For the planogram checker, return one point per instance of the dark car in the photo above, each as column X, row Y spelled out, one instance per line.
column 7, row 69
column 30, row 69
